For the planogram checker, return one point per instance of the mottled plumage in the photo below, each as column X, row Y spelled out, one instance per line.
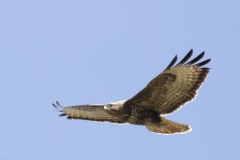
column 166, row 93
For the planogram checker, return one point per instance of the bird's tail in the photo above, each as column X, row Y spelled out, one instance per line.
column 169, row 127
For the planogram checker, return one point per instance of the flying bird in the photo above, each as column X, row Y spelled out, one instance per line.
column 165, row 94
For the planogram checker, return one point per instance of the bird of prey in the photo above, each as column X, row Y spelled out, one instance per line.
column 165, row 94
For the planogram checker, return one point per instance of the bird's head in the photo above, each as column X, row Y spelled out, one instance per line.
column 114, row 106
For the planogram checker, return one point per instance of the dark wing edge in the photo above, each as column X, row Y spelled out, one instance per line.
column 189, row 54
column 172, row 63
column 91, row 112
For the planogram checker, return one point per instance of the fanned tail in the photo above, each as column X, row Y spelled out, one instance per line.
column 169, row 127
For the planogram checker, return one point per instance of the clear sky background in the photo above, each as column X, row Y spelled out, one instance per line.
column 104, row 51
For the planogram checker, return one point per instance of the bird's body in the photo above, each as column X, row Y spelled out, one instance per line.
column 136, row 115
column 166, row 93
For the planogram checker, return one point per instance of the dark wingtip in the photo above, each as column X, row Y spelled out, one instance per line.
column 59, row 104
column 189, row 54
column 63, row 114
column 203, row 63
column 196, row 59
column 172, row 62
column 54, row 105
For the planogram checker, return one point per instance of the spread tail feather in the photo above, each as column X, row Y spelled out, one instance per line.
column 169, row 127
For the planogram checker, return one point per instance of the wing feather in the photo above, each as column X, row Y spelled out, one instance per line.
column 91, row 112
column 196, row 59
column 174, row 87
column 185, row 58
column 172, row 63
column 203, row 63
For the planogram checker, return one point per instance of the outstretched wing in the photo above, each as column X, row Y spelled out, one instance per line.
column 174, row 87
column 91, row 112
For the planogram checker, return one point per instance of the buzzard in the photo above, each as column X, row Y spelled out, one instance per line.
column 165, row 94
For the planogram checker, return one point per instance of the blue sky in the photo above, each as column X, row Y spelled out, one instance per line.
column 105, row 51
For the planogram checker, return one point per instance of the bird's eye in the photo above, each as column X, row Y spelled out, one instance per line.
column 110, row 105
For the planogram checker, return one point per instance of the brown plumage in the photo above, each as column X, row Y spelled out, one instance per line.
column 166, row 93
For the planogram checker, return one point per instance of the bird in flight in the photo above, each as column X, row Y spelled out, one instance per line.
column 165, row 94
